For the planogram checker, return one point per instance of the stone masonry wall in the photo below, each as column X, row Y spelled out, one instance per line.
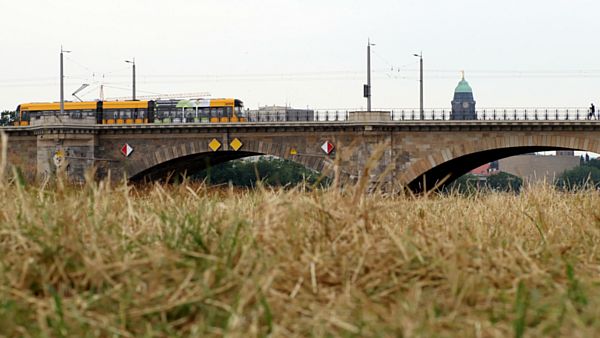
column 22, row 153
column 407, row 150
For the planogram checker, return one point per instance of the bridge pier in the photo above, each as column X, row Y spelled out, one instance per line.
column 63, row 149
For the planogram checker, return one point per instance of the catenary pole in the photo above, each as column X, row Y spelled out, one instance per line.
column 421, row 91
column 62, row 81
column 133, row 77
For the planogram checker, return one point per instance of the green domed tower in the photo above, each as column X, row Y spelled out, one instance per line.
column 463, row 104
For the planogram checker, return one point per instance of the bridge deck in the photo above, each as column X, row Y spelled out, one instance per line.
column 328, row 125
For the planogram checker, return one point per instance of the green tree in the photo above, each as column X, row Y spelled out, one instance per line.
column 593, row 163
column 271, row 171
column 469, row 183
column 466, row 184
column 587, row 175
column 7, row 118
column 504, row 182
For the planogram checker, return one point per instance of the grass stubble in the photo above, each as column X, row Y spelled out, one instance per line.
column 190, row 260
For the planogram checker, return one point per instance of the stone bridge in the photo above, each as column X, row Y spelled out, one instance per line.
column 414, row 154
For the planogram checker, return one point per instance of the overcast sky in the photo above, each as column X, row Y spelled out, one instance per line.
column 305, row 52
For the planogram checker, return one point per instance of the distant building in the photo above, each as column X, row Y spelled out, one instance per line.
column 539, row 168
column 280, row 113
column 463, row 104
column 486, row 169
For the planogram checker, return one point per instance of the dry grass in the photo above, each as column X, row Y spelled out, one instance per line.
column 191, row 261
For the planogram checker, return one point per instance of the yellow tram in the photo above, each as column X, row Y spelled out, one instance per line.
column 138, row 112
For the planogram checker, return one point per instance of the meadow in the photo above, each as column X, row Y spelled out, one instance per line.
column 189, row 260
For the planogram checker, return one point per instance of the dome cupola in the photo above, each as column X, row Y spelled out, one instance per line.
column 463, row 104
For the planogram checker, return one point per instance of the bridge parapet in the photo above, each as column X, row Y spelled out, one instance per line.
column 413, row 114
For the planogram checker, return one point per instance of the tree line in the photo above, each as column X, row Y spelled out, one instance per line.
column 7, row 118
column 586, row 175
column 270, row 171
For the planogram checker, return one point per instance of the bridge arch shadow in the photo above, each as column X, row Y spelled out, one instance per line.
column 442, row 167
column 174, row 161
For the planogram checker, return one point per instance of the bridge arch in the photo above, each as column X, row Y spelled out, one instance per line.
column 451, row 162
column 193, row 156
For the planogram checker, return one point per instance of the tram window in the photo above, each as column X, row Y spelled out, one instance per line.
column 228, row 111
column 75, row 114
column 191, row 112
column 109, row 115
column 204, row 112
column 160, row 112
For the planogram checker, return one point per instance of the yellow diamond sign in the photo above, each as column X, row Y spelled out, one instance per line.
column 214, row 145
column 236, row 144
column 293, row 151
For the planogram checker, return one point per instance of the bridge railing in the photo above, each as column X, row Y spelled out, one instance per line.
column 502, row 114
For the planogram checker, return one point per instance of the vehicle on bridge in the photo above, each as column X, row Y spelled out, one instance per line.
column 138, row 112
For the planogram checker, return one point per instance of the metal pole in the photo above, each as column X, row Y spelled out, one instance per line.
column 421, row 79
column 62, row 85
column 133, row 79
column 369, row 75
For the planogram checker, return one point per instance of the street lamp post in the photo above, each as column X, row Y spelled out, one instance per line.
column 133, row 63
column 62, row 81
column 422, row 112
column 367, row 88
